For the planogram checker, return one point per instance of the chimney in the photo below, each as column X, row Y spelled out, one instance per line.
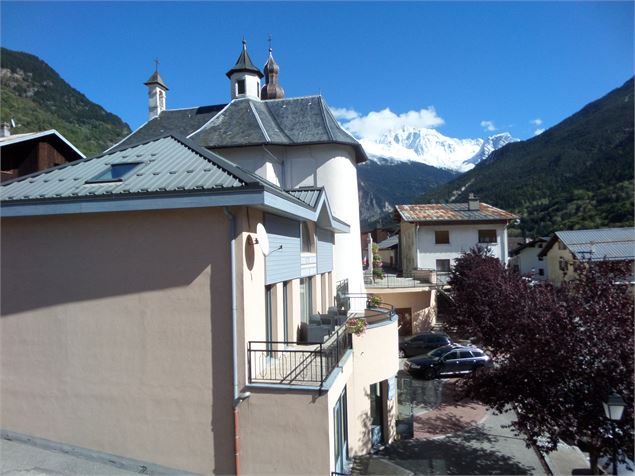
column 5, row 129
column 473, row 203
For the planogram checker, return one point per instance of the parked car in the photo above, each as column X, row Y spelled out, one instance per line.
column 422, row 343
column 448, row 360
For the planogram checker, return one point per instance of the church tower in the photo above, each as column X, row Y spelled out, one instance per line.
column 272, row 88
column 244, row 77
column 156, row 94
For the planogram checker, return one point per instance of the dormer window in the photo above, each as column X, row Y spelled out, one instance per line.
column 114, row 173
column 240, row 86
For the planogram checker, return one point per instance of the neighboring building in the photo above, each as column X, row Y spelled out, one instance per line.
column 23, row 154
column 565, row 248
column 389, row 251
column 431, row 237
column 155, row 329
column 434, row 235
column 525, row 260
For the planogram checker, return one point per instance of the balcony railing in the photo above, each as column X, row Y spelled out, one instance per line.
column 373, row 312
column 296, row 363
column 418, row 278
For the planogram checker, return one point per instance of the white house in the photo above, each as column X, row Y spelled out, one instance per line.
column 434, row 235
column 525, row 260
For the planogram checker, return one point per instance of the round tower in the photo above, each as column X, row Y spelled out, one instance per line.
column 244, row 77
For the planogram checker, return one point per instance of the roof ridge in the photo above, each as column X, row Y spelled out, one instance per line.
column 275, row 119
column 262, row 128
column 329, row 132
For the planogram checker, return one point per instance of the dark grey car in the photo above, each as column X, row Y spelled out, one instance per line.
column 447, row 360
column 422, row 343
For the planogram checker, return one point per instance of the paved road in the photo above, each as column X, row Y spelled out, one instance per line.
column 453, row 438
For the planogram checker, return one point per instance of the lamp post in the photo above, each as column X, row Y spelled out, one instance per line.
column 613, row 409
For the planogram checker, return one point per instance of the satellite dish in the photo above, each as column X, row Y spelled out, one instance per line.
column 262, row 239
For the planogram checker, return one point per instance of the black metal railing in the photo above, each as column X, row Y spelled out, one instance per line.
column 296, row 363
column 396, row 281
column 370, row 308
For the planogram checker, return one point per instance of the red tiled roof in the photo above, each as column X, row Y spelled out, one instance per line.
column 440, row 212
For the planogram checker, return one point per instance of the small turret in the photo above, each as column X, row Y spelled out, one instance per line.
column 272, row 88
column 156, row 93
column 244, row 76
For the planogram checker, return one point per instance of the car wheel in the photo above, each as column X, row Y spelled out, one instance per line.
column 402, row 354
column 429, row 374
column 478, row 369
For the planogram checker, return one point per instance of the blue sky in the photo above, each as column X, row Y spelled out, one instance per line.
column 468, row 69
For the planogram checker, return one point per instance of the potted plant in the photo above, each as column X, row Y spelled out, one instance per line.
column 356, row 326
column 373, row 301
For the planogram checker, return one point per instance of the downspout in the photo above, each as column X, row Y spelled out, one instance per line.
column 236, row 400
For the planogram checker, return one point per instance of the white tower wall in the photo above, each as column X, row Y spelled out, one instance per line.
column 252, row 85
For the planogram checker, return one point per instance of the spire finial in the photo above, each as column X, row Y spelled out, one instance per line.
column 269, row 42
column 156, row 64
column 244, row 42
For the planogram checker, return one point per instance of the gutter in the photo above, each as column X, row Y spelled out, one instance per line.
column 236, row 396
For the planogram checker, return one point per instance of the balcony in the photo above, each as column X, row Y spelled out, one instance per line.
column 310, row 364
column 297, row 363
column 418, row 278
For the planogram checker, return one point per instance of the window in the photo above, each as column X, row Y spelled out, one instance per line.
column 541, row 272
column 306, row 299
column 477, row 353
column 487, row 236
column 161, row 100
column 240, row 86
column 114, row 173
column 308, row 243
column 375, row 405
column 441, row 237
column 443, row 266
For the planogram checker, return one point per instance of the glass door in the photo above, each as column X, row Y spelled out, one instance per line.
column 340, row 436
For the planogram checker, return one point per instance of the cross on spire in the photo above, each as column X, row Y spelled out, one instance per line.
column 156, row 64
column 269, row 42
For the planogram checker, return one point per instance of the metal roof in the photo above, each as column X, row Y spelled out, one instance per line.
column 388, row 242
column 310, row 196
column 597, row 245
column 251, row 122
column 451, row 212
column 167, row 165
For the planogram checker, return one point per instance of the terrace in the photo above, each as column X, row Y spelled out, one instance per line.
column 309, row 364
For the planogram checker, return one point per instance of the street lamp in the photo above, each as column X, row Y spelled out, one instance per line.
column 613, row 409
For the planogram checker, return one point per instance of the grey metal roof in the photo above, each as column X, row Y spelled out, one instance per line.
column 600, row 244
column 251, row 122
column 388, row 242
column 310, row 196
column 167, row 165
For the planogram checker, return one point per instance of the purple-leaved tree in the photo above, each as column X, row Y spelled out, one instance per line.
column 558, row 350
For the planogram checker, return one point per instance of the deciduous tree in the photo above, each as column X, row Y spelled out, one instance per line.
column 558, row 350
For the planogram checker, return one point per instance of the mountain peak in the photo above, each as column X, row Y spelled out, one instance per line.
column 429, row 146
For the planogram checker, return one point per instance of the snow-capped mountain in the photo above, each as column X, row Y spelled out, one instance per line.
column 430, row 147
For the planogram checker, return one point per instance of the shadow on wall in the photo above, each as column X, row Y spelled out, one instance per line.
column 48, row 261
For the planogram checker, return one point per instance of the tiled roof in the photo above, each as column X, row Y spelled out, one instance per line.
column 451, row 212
column 598, row 245
column 251, row 122
column 388, row 242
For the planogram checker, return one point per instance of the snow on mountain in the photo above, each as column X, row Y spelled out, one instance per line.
column 430, row 147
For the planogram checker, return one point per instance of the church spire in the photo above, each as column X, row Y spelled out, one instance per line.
column 156, row 93
column 272, row 88
column 244, row 76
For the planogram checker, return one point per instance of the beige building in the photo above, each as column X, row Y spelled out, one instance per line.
column 164, row 308
column 567, row 248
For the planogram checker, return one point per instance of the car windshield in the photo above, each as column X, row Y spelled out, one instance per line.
column 441, row 351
